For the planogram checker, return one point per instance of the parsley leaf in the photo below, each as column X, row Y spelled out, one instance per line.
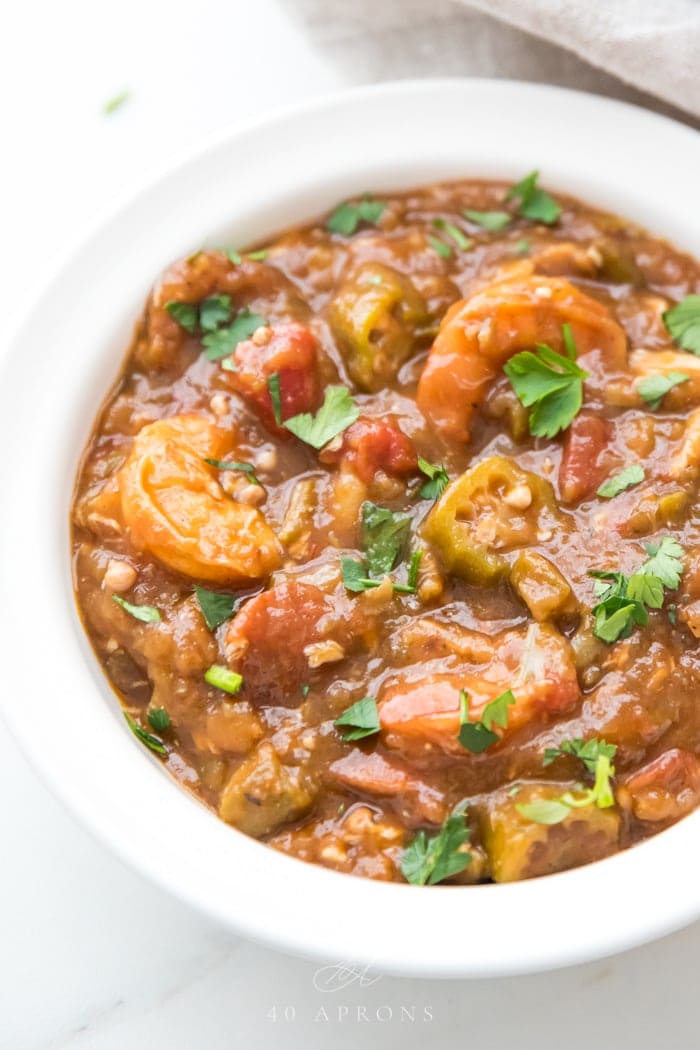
column 144, row 613
column 653, row 389
column 273, row 386
column 438, row 479
column 683, row 323
column 158, row 719
column 347, row 217
column 384, row 536
column 356, row 580
column 216, row 608
column 625, row 479
column 438, row 246
column 550, row 382
column 146, row 738
column 214, row 311
column 184, row 313
column 221, row 342
column 463, row 242
column 477, row 736
column 535, row 203
column 336, row 414
column 431, row 860
column 489, row 220
column 221, row 678
column 665, row 561
column 233, row 464
column 360, row 720
column 586, row 750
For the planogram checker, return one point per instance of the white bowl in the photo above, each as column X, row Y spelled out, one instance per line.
column 248, row 185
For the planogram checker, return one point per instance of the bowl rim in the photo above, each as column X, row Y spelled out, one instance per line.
column 559, row 920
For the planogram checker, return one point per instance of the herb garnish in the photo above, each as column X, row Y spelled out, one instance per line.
column 356, row 580
column 384, row 535
column 360, row 720
column 233, row 464
column 221, row 678
column 625, row 479
column 144, row 613
column 347, row 217
column 653, row 389
column 535, row 203
column 221, row 342
column 623, row 601
column 551, row 382
column 588, row 751
column 158, row 719
column 489, row 220
column 336, row 414
column 184, row 313
column 554, row 810
column 477, row 736
column 146, row 738
column 216, row 608
column 438, row 479
column 683, row 323
column 438, row 246
column 214, row 311
column 431, row 860
column 413, row 569
column 273, row 386
column 116, row 102
column 463, row 242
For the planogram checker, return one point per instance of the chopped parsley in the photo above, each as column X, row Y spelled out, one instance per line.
column 439, row 247
column 216, row 608
column 336, row 414
column 477, row 736
column 158, row 719
column 554, row 810
column 234, row 256
column 588, row 751
column 438, row 479
column 625, row 479
column 463, row 242
column 683, row 323
column 522, row 247
column 653, row 389
column 534, row 203
column 221, row 678
column 623, row 601
column 273, row 386
column 347, row 216
column 214, row 311
column 384, row 536
column 146, row 738
column 428, row 861
column 184, row 313
column 356, row 580
column 489, row 220
column 549, row 383
column 258, row 256
column 414, row 568
column 144, row 613
column 222, row 341
column 360, row 720
column 233, row 464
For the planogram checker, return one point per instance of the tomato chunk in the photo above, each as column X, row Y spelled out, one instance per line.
column 373, row 445
column 288, row 350
column 537, row 664
column 583, row 467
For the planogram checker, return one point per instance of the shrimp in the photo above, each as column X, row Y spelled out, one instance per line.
column 478, row 335
column 537, row 664
column 175, row 509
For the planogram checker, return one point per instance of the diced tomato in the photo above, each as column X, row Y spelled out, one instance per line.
column 373, row 445
column 373, row 773
column 583, row 468
column 665, row 789
column 290, row 352
column 537, row 664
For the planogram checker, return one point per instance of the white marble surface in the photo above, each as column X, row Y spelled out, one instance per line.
column 91, row 956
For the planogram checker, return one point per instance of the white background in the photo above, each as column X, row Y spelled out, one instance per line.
column 90, row 955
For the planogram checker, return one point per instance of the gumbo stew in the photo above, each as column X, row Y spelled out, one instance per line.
column 387, row 537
